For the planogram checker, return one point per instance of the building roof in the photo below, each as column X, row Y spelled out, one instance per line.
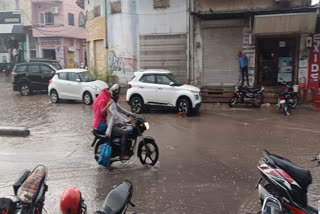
column 211, row 14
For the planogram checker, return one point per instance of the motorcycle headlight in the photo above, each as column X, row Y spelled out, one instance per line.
column 146, row 124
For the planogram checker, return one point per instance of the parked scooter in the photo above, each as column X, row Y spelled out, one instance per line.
column 118, row 200
column 288, row 99
column 247, row 95
column 108, row 151
column 285, row 181
column 270, row 205
column 29, row 193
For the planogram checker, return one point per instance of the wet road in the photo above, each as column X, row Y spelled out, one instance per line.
column 207, row 162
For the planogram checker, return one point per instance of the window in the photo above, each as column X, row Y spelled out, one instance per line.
column 147, row 79
column 161, row 4
column 73, row 76
column 97, row 11
column 63, row 76
column 46, row 18
column 20, row 68
column 115, row 7
column 45, row 69
column 82, row 20
column 71, row 19
column 34, row 68
column 163, row 80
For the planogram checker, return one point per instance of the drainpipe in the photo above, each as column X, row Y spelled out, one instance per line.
column 106, row 19
column 188, row 40
column 191, row 32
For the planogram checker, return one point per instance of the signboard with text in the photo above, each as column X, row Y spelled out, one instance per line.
column 314, row 63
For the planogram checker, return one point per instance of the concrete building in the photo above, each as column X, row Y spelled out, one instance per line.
column 274, row 34
column 59, row 27
column 163, row 36
column 97, row 53
column 15, row 30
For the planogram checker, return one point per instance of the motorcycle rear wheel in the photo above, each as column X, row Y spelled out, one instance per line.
column 97, row 149
column 294, row 103
column 148, row 152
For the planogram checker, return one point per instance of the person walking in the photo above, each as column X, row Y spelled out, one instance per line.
column 243, row 62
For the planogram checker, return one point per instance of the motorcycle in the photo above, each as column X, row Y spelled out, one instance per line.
column 29, row 193
column 108, row 151
column 288, row 99
column 247, row 95
column 285, row 181
column 118, row 200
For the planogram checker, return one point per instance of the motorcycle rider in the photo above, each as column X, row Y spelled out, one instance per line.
column 115, row 120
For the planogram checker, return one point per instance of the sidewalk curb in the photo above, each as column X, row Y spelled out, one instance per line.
column 14, row 131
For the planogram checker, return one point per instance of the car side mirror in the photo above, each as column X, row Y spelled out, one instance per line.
column 171, row 83
column 78, row 80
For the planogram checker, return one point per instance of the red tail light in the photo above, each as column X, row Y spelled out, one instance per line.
column 50, row 81
column 129, row 86
column 13, row 75
column 281, row 97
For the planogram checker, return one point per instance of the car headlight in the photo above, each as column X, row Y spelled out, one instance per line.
column 147, row 125
column 195, row 92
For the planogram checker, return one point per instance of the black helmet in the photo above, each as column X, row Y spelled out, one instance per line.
column 115, row 90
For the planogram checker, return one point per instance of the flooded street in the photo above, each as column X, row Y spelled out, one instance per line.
column 207, row 162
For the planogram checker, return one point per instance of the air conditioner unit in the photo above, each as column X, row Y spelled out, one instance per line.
column 55, row 10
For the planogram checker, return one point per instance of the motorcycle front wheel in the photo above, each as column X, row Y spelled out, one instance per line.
column 285, row 109
column 293, row 101
column 148, row 152
column 233, row 100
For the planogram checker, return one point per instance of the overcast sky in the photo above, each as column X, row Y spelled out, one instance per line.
column 315, row 1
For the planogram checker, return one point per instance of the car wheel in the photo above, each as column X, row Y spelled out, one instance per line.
column 136, row 105
column 184, row 107
column 25, row 89
column 54, row 96
column 87, row 98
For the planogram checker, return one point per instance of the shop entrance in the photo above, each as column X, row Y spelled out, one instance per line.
column 275, row 60
column 49, row 54
column 70, row 59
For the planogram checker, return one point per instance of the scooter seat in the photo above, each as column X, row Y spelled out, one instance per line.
column 30, row 189
column 301, row 175
column 118, row 198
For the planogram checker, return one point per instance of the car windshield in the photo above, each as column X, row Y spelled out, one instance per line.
column 174, row 79
column 56, row 65
column 86, row 76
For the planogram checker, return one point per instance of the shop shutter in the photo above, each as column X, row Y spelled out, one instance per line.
column 165, row 52
column 220, row 60
column 100, row 63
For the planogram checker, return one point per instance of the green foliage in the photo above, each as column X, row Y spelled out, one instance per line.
column 103, row 74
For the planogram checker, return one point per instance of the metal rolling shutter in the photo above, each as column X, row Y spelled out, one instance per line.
column 220, row 60
column 165, row 52
column 99, row 58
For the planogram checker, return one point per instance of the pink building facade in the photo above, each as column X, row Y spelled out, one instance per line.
column 59, row 27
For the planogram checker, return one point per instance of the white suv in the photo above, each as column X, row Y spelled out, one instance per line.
column 75, row 84
column 161, row 88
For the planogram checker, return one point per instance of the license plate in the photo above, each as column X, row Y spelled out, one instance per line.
column 282, row 101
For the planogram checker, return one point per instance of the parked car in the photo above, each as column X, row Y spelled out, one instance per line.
column 32, row 76
column 75, row 84
column 161, row 88
column 52, row 62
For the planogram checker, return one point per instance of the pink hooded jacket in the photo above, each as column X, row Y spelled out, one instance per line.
column 99, row 104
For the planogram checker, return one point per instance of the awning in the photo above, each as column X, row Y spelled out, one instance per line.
column 286, row 23
column 11, row 28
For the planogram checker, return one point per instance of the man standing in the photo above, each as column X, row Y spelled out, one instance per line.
column 243, row 62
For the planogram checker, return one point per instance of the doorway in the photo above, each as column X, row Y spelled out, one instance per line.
column 49, row 54
column 70, row 59
column 276, row 60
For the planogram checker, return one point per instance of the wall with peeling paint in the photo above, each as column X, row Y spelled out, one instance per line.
column 122, row 41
